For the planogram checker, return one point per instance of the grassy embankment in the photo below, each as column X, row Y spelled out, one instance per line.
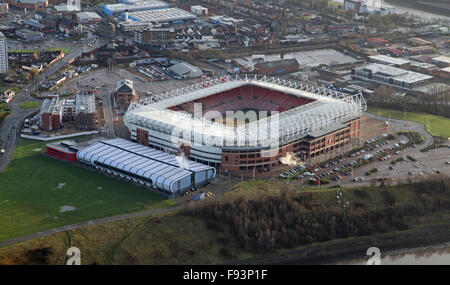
column 35, row 186
column 65, row 50
column 29, row 105
column 175, row 238
column 435, row 125
column 4, row 111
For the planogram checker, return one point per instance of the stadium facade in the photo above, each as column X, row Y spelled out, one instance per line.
column 240, row 124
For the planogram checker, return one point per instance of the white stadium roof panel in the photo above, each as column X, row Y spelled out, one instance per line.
column 129, row 158
column 329, row 107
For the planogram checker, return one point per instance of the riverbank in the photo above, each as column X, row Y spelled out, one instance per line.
column 337, row 251
column 430, row 6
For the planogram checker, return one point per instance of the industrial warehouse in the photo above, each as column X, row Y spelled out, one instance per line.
column 173, row 15
column 310, row 121
column 395, row 77
column 159, row 170
column 117, row 9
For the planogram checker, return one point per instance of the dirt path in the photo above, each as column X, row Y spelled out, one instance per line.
column 88, row 223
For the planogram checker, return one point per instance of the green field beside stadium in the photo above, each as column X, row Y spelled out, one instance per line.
column 34, row 187
column 435, row 125
column 29, row 105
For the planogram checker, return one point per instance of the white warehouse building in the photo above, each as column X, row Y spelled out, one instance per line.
column 185, row 70
column 392, row 76
column 153, row 168
column 199, row 10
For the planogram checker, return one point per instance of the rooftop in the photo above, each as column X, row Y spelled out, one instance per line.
column 396, row 73
column 162, row 168
column 278, row 63
column 85, row 102
column 149, row 4
column 183, row 68
column 442, row 58
column 162, row 15
column 388, row 59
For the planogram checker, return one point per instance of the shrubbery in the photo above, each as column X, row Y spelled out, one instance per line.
column 292, row 219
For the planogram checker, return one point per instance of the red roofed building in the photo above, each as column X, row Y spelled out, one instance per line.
column 395, row 52
column 376, row 42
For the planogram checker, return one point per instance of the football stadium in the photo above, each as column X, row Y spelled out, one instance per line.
column 246, row 124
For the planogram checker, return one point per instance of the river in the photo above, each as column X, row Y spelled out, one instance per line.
column 404, row 9
column 431, row 255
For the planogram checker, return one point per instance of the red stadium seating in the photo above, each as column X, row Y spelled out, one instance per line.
column 246, row 97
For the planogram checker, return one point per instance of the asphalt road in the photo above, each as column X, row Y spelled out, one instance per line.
column 402, row 169
column 399, row 125
column 10, row 127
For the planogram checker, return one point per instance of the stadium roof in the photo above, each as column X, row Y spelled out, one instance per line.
column 329, row 107
column 161, row 15
column 163, row 170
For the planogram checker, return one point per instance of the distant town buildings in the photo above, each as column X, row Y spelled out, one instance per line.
column 388, row 60
column 153, row 35
column 51, row 114
column 365, row 7
column 391, row 76
column 88, row 18
column 442, row 61
column 7, row 96
column 132, row 6
column 4, row 8
column 170, row 15
column 277, row 67
column 29, row 35
column 85, row 115
column 3, row 53
column 29, row 4
column 125, row 94
column 199, row 10
column 185, row 70
column 81, row 111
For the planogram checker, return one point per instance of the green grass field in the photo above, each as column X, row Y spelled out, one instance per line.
column 4, row 111
column 172, row 238
column 35, row 186
column 437, row 125
column 29, row 105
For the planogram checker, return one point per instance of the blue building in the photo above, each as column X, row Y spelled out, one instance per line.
column 132, row 6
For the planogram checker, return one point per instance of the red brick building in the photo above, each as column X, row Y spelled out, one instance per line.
column 125, row 94
column 51, row 114
column 63, row 150
column 277, row 67
column 29, row 4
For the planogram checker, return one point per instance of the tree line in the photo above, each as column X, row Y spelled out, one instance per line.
column 437, row 103
column 292, row 219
